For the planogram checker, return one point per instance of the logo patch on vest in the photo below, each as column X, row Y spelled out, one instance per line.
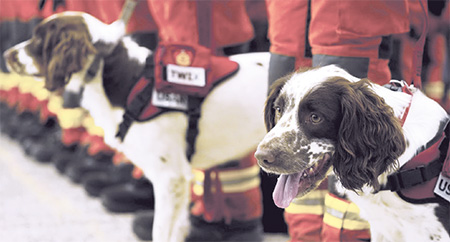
column 183, row 57
column 442, row 187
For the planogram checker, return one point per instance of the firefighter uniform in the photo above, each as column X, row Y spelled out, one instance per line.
column 220, row 195
column 358, row 41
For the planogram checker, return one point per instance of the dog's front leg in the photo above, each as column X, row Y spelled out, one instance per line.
column 171, row 206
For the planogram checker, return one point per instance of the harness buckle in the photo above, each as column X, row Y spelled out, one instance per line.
column 407, row 179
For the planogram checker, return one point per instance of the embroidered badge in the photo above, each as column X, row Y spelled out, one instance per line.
column 182, row 58
column 442, row 187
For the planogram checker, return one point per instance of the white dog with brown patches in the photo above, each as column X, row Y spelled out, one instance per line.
column 63, row 49
column 324, row 120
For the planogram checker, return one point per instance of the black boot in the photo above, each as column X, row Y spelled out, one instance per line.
column 68, row 155
column 143, row 225
column 202, row 230
column 30, row 127
column 95, row 182
column 44, row 144
column 5, row 116
column 100, row 162
column 129, row 197
column 13, row 125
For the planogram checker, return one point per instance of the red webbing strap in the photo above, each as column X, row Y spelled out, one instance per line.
column 406, row 90
column 446, row 168
column 418, row 49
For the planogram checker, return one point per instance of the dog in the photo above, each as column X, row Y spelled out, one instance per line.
column 324, row 121
column 64, row 49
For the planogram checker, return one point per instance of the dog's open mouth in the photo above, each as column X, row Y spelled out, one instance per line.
column 290, row 185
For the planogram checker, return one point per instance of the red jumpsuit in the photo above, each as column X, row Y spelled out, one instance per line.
column 219, row 193
column 341, row 33
column 331, row 32
column 177, row 21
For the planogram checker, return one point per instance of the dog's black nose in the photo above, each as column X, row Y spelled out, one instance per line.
column 264, row 156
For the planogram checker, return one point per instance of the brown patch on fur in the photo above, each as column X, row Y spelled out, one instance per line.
column 62, row 46
column 269, row 111
column 274, row 91
column 370, row 137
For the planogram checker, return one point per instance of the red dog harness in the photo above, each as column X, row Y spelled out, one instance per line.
column 180, row 80
column 416, row 180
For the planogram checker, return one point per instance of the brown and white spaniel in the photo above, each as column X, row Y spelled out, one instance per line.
column 78, row 52
column 324, row 121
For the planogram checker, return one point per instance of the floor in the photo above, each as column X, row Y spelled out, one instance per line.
column 38, row 204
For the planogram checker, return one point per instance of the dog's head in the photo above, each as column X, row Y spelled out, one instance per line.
column 323, row 119
column 62, row 45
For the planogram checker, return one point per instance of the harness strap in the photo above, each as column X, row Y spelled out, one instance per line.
column 137, row 105
column 420, row 174
column 409, row 178
column 134, row 109
column 194, row 113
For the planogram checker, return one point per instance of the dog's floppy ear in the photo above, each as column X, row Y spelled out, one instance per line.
column 69, row 55
column 274, row 91
column 370, row 137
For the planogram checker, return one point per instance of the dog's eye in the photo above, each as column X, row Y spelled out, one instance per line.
column 315, row 118
column 277, row 113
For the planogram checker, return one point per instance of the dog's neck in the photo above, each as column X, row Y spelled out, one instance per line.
column 122, row 69
column 425, row 120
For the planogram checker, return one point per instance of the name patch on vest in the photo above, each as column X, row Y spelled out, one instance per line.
column 185, row 75
column 170, row 100
column 442, row 187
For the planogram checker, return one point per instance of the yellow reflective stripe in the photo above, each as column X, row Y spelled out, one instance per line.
column 332, row 221
column 335, row 203
column 228, row 175
column 242, row 186
column 26, row 85
column 304, row 209
column 340, row 214
column 317, row 195
column 239, row 174
column 197, row 189
column 199, row 176
column 55, row 103
column 10, row 81
column 312, row 203
column 230, row 188
column 91, row 128
column 40, row 92
column 232, row 181
column 355, row 224
column 70, row 117
column 352, row 208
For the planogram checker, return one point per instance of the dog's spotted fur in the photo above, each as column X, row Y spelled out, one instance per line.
column 230, row 126
column 324, row 119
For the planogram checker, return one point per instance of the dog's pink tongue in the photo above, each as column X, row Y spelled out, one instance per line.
column 286, row 189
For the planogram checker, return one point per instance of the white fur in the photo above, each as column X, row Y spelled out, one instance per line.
column 230, row 127
column 28, row 66
column 390, row 217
